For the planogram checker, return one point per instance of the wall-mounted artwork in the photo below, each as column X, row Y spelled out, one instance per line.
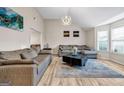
column 75, row 33
column 10, row 19
column 66, row 34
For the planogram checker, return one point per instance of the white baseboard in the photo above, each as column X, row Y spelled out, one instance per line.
column 116, row 61
column 103, row 58
column 113, row 60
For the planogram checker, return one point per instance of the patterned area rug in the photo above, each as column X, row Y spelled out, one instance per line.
column 92, row 69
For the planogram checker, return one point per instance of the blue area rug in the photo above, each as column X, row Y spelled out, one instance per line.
column 92, row 69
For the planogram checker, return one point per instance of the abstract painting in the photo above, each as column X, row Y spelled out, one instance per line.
column 66, row 33
column 10, row 19
column 75, row 33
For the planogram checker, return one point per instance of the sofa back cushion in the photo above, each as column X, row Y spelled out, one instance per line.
column 69, row 47
column 11, row 62
column 1, row 61
column 22, row 50
column 65, row 47
column 85, row 47
column 29, row 54
column 10, row 55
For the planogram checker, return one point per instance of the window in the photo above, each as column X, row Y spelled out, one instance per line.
column 102, row 40
column 117, row 40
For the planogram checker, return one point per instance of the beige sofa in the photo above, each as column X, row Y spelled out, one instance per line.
column 23, row 67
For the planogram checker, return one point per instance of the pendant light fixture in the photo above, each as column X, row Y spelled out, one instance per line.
column 66, row 20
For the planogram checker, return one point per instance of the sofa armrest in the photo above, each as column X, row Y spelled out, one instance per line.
column 18, row 74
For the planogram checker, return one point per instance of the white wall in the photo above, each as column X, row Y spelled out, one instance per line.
column 35, row 37
column 54, row 34
column 12, row 39
column 90, row 38
column 117, row 58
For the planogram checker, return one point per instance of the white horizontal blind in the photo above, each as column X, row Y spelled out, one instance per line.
column 117, row 37
column 102, row 34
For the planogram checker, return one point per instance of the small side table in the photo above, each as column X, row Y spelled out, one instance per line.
column 47, row 50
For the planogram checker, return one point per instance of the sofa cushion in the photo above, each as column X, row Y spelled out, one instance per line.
column 1, row 61
column 67, row 51
column 79, row 47
column 10, row 55
column 85, row 47
column 11, row 62
column 89, row 52
column 28, row 54
column 22, row 50
column 65, row 47
column 40, row 58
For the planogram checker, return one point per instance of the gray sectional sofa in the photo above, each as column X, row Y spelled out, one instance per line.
column 23, row 67
column 83, row 49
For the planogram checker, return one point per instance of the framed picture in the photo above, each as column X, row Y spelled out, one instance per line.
column 75, row 33
column 10, row 19
column 66, row 33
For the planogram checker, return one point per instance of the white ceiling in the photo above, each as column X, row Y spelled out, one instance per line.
column 86, row 17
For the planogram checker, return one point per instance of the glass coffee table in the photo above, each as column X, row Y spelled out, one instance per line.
column 72, row 60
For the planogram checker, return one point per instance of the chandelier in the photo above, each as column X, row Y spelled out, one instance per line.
column 66, row 20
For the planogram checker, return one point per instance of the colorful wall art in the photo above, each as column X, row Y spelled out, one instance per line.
column 10, row 19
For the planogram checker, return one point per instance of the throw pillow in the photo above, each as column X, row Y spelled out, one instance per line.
column 29, row 54
column 37, row 49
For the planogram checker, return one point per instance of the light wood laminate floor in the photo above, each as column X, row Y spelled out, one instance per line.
column 49, row 78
